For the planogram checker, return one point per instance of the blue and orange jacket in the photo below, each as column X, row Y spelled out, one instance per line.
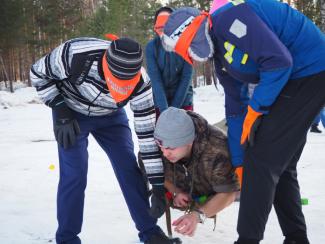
column 170, row 75
column 263, row 42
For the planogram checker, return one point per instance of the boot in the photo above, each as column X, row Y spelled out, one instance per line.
column 161, row 238
column 299, row 241
column 314, row 128
column 247, row 241
column 299, row 237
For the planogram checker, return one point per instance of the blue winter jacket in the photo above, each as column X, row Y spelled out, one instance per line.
column 170, row 75
column 264, row 42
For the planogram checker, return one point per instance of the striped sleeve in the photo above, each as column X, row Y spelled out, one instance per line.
column 144, row 122
column 47, row 71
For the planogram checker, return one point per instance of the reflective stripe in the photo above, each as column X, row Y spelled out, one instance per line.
column 230, row 49
column 236, row 2
column 244, row 59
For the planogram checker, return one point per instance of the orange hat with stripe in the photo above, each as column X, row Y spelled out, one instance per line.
column 161, row 17
column 122, row 67
column 187, row 33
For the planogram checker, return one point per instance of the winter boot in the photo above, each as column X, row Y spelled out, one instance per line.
column 314, row 128
column 161, row 238
column 286, row 241
column 297, row 241
column 299, row 237
column 247, row 241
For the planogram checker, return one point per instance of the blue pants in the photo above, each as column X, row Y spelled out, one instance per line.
column 113, row 134
column 320, row 117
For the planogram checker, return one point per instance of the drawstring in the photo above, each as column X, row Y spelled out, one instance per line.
column 191, row 206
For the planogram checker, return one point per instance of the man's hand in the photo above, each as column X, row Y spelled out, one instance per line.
column 250, row 125
column 66, row 128
column 158, row 201
column 186, row 225
column 181, row 200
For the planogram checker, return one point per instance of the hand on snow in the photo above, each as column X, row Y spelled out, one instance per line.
column 186, row 225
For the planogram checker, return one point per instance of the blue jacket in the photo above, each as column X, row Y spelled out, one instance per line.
column 264, row 42
column 170, row 75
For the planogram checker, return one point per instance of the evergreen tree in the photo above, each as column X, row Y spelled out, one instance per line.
column 321, row 8
column 308, row 8
column 124, row 18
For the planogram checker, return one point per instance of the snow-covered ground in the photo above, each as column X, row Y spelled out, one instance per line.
column 29, row 177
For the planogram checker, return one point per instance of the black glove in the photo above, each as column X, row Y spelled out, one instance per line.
column 66, row 127
column 158, row 201
column 251, row 140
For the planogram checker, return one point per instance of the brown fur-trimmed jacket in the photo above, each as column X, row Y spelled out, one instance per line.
column 209, row 170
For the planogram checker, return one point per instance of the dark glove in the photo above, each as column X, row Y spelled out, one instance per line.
column 158, row 201
column 66, row 128
column 251, row 123
column 239, row 173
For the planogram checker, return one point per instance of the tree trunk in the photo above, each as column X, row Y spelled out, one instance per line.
column 4, row 70
column 195, row 76
column 11, row 70
column 207, row 73
column 322, row 15
column 20, row 65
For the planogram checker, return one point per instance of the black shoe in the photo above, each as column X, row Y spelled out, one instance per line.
column 247, row 241
column 161, row 238
column 315, row 129
column 302, row 241
column 299, row 237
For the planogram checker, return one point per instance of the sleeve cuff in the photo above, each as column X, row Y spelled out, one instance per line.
column 227, row 188
column 157, row 179
column 258, row 108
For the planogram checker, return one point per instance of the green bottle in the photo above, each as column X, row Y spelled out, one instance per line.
column 304, row 201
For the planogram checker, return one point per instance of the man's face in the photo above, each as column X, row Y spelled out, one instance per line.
column 177, row 153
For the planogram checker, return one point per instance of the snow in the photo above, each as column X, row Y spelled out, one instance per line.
column 28, row 184
column 20, row 97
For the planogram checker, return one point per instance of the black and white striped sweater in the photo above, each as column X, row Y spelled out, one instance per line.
column 52, row 76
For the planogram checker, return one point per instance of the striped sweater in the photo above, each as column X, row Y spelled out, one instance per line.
column 52, row 76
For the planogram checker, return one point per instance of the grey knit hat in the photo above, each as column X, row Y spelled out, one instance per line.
column 174, row 128
column 201, row 47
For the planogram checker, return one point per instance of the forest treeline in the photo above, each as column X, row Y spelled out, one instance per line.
column 31, row 28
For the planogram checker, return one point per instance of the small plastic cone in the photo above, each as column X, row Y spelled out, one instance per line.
column 304, row 201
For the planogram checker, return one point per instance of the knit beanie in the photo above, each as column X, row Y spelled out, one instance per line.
column 201, row 47
column 124, row 58
column 174, row 128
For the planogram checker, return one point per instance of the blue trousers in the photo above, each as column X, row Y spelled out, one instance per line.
column 320, row 117
column 113, row 134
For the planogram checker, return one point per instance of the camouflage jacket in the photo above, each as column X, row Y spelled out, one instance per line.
column 209, row 169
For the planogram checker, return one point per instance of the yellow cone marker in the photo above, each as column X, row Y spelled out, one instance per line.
column 52, row 167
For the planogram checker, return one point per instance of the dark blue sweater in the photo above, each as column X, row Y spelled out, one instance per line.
column 170, row 75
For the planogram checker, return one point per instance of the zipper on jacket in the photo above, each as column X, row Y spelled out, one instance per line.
column 186, row 172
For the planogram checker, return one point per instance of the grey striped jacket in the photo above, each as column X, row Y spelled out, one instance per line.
column 52, row 75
